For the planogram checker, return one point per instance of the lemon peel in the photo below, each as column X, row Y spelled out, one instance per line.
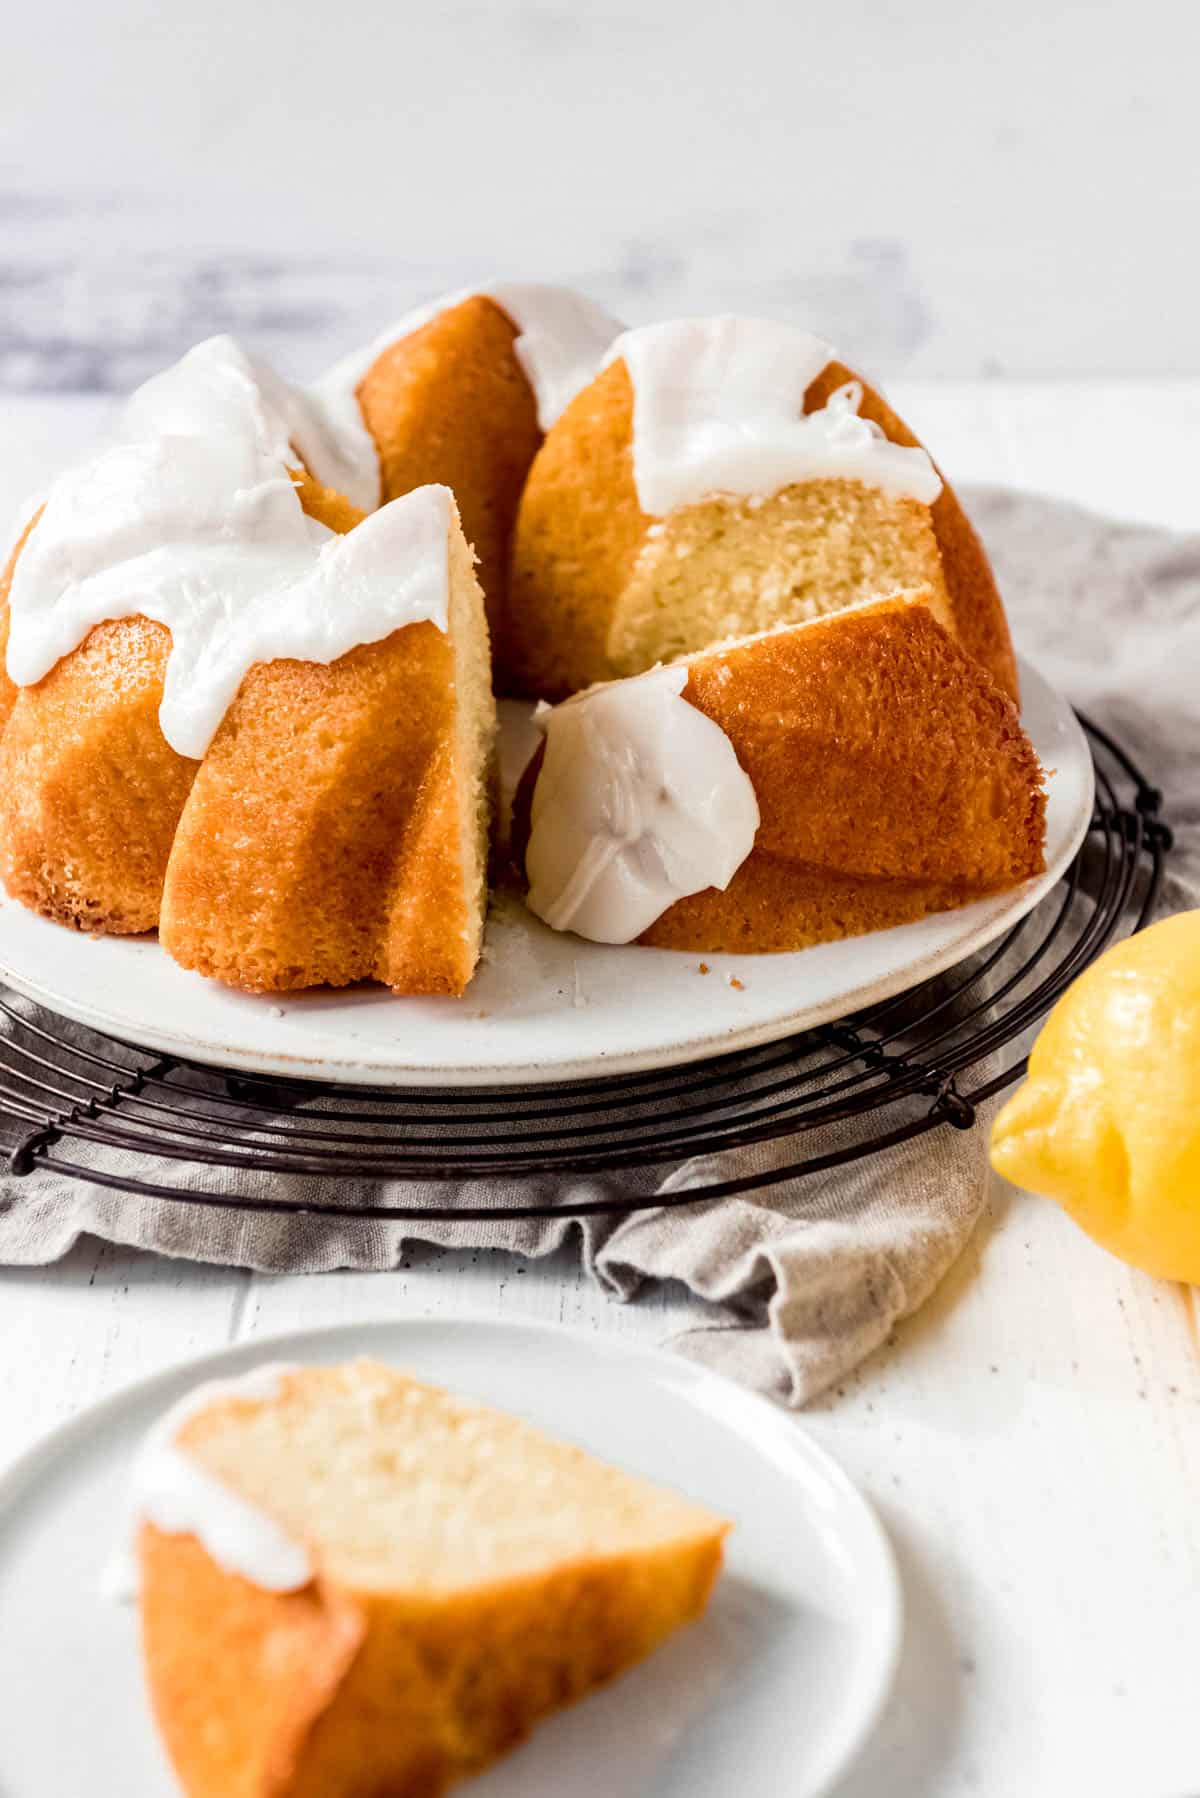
column 1107, row 1122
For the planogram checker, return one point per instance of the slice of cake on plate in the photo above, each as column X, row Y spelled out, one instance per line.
column 353, row 1583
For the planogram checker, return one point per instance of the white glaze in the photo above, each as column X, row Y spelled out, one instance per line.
column 640, row 801
column 170, row 1489
column 718, row 407
column 10, row 538
column 192, row 519
column 194, row 398
column 561, row 344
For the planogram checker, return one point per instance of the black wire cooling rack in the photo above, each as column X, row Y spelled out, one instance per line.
column 75, row 1103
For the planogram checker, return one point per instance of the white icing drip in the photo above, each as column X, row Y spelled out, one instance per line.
column 718, row 407
column 16, row 530
column 339, row 452
column 192, row 520
column 562, row 341
column 172, row 1491
column 640, row 801
column 196, row 398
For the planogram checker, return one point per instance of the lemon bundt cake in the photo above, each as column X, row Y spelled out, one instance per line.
column 249, row 688
column 717, row 478
column 241, row 711
column 816, row 781
column 352, row 1583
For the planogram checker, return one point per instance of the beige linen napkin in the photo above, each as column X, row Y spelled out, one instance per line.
column 805, row 1278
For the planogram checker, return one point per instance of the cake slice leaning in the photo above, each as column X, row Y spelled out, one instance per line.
column 337, row 828
column 354, row 1584
column 885, row 773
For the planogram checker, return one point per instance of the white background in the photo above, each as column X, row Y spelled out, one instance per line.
column 991, row 203
column 947, row 187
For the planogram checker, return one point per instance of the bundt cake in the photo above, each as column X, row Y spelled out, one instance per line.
column 717, row 478
column 353, row 1583
column 249, row 688
column 815, row 781
column 242, row 711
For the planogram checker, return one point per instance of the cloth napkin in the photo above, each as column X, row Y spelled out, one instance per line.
column 799, row 1281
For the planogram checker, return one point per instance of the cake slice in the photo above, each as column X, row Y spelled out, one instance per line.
column 354, row 1584
column 867, row 768
column 460, row 393
column 337, row 828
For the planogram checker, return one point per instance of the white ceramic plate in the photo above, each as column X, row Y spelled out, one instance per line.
column 543, row 1006
column 787, row 1670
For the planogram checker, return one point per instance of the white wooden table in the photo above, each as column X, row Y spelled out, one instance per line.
column 1031, row 1439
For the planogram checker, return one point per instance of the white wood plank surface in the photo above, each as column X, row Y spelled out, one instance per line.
column 1032, row 1439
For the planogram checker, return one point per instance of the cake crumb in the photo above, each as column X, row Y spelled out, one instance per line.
column 704, row 968
column 737, row 985
column 277, row 1011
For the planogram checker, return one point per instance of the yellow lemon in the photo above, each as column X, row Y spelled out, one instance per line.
column 1108, row 1120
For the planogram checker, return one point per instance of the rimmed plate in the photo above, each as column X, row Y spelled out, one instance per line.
column 543, row 1007
column 788, row 1668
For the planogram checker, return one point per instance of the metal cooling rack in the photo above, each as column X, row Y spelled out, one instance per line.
column 75, row 1103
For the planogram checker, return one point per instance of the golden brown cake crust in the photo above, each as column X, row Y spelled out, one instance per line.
column 272, row 1664
column 581, row 531
column 876, row 745
column 892, row 775
column 324, row 804
column 450, row 403
column 90, row 790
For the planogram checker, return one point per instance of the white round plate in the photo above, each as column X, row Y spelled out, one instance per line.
column 788, row 1668
column 543, row 1006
